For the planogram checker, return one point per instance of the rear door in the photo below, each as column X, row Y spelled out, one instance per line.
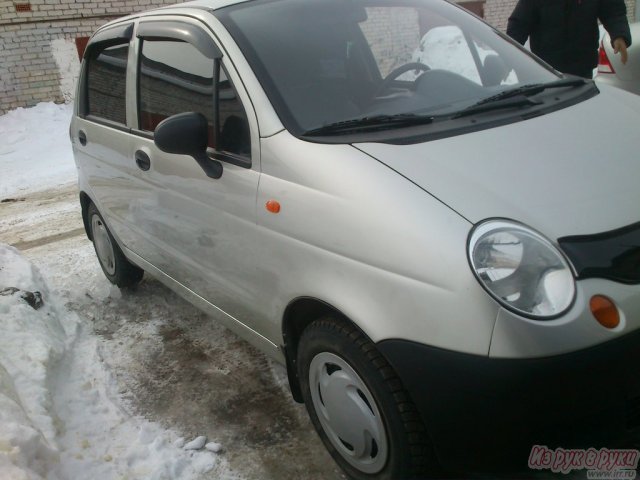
column 100, row 131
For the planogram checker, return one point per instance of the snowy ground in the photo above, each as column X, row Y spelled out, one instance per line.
column 103, row 384
column 34, row 152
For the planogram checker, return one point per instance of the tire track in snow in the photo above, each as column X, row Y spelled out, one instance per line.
column 99, row 439
column 39, row 242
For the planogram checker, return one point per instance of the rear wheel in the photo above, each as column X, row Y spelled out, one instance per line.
column 114, row 264
column 358, row 406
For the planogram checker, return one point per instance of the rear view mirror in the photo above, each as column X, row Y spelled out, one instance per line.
column 187, row 134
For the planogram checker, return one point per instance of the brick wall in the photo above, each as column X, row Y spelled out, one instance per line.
column 28, row 70
column 496, row 12
column 379, row 28
column 631, row 10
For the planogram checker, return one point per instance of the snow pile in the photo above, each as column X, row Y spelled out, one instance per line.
column 59, row 418
column 32, row 341
column 35, row 152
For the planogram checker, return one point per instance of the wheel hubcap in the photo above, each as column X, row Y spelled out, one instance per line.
column 348, row 413
column 102, row 243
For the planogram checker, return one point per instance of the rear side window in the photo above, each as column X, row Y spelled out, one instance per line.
column 174, row 78
column 106, row 83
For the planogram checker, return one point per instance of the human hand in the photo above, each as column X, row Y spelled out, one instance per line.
column 619, row 45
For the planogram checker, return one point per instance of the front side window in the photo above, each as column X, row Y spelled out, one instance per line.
column 175, row 77
column 106, row 83
column 232, row 119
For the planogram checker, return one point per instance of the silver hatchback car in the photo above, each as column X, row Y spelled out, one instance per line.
column 412, row 213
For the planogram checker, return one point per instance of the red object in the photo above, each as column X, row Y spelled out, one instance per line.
column 22, row 7
column 81, row 45
column 604, row 65
column 273, row 206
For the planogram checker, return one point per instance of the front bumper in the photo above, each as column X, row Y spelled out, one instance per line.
column 485, row 414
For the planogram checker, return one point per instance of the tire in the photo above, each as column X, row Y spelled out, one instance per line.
column 358, row 405
column 114, row 264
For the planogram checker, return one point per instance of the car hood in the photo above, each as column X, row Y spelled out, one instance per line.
column 571, row 172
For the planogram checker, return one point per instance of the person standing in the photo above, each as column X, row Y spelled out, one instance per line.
column 564, row 33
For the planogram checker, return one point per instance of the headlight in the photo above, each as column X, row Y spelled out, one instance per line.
column 521, row 269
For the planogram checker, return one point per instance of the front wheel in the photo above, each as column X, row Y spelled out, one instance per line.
column 358, row 405
column 115, row 265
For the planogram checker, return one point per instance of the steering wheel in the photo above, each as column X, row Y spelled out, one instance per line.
column 396, row 72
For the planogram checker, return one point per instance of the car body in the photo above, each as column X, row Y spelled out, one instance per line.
column 426, row 247
column 612, row 71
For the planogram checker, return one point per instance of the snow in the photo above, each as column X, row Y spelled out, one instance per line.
column 35, row 152
column 196, row 443
column 31, row 340
column 213, row 447
column 61, row 414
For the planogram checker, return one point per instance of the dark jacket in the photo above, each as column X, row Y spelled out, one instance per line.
column 564, row 33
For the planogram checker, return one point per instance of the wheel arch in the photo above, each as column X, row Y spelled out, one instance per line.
column 298, row 315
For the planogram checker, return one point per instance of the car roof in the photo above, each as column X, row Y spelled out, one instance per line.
column 209, row 5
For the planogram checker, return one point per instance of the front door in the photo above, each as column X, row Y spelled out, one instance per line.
column 198, row 230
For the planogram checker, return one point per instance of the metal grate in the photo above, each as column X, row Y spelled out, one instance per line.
column 22, row 7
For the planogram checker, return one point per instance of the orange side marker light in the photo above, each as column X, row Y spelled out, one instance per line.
column 273, row 206
column 605, row 311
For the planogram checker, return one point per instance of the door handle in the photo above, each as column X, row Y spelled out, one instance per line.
column 142, row 160
column 82, row 137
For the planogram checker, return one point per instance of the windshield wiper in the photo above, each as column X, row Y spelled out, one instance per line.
column 371, row 123
column 515, row 97
column 533, row 89
column 497, row 104
column 518, row 96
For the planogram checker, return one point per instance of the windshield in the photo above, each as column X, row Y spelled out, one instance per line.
column 322, row 62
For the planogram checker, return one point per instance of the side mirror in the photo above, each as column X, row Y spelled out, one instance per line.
column 187, row 134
